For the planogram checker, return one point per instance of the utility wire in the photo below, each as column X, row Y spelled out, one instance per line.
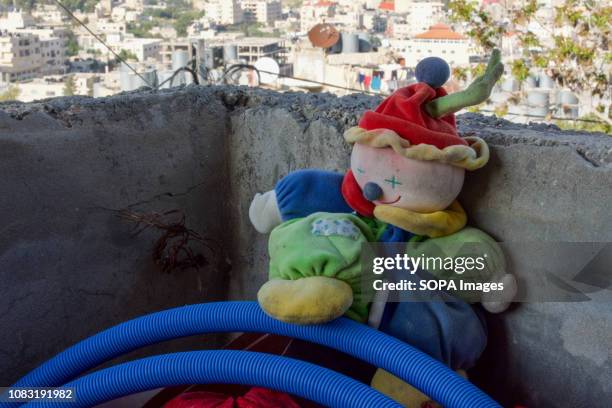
column 97, row 37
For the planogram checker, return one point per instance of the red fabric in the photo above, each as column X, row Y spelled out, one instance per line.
column 403, row 113
column 201, row 399
column 264, row 398
column 354, row 196
column 367, row 80
column 255, row 398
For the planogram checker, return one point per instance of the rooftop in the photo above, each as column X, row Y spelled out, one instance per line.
column 259, row 41
column 387, row 5
column 440, row 31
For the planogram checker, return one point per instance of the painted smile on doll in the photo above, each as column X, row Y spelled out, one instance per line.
column 388, row 202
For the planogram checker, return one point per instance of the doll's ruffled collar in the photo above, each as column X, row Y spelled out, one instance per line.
column 435, row 224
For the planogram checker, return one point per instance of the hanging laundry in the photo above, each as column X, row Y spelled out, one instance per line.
column 367, row 80
column 394, row 74
column 360, row 77
column 375, row 83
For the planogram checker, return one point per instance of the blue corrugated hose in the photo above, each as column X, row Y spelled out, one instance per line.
column 423, row 372
column 296, row 377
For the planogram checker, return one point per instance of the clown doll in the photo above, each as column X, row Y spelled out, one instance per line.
column 407, row 168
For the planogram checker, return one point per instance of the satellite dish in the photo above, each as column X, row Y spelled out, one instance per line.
column 268, row 70
column 323, row 35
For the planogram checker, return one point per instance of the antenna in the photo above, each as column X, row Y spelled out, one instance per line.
column 268, row 69
column 323, row 35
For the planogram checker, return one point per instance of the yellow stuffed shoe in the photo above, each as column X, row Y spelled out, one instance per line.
column 398, row 390
column 311, row 300
column 401, row 391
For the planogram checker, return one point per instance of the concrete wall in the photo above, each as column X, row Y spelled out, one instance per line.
column 65, row 262
column 69, row 266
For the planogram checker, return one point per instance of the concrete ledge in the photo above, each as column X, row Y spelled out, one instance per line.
column 67, row 262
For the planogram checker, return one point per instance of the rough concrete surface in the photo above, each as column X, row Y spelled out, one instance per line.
column 71, row 268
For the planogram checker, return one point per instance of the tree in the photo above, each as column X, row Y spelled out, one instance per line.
column 10, row 94
column 126, row 55
column 69, row 85
column 575, row 51
column 72, row 46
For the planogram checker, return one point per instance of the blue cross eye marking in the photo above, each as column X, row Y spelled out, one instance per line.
column 393, row 181
column 360, row 171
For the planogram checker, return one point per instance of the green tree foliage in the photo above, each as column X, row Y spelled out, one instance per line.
column 72, row 46
column 69, row 86
column 10, row 94
column 126, row 55
column 184, row 20
column 579, row 58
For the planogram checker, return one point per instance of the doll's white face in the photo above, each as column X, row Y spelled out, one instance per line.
column 416, row 185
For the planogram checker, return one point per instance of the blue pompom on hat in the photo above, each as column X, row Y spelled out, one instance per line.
column 434, row 71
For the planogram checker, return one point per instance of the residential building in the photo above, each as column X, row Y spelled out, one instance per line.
column 373, row 20
column 262, row 11
column 251, row 49
column 15, row 20
column 194, row 48
column 106, row 26
column 224, row 12
column 50, row 14
column 144, row 49
column 424, row 15
column 347, row 19
column 20, row 56
column 403, row 6
column 52, row 48
column 314, row 12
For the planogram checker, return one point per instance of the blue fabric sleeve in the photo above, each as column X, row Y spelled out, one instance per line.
column 304, row 192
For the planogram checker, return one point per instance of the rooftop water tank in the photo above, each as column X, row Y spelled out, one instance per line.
column 568, row 97
column 350, row 43
column 538, row 98
column 230, row 52
column 179, row 59
column 510, row 85
column 531, row 82
column 365, row 43
column 546, row 82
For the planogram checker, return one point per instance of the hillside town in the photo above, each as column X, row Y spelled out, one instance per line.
column 102, row 48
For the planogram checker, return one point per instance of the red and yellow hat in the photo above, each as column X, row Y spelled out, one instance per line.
column 402, row 123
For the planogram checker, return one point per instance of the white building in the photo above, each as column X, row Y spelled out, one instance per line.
column 50, row 14
column 425, row 14
column 145, row 49
column 399, row 28
column 106, row 26
column 439, row 41
column 349, row 19
column 15, row 20
column 262, row 11
column 373, row 20
column 314, row 12
column 55, row 85
column 224, row 12
column 403, row 6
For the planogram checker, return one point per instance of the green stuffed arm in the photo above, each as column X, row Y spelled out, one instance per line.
column 476, row 93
